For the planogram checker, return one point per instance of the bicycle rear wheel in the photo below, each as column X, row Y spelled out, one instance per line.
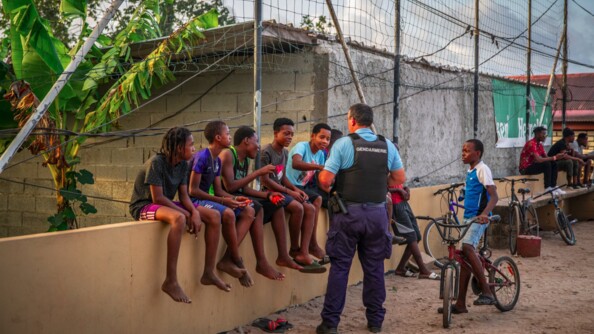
column 530, row 224
column 433, row 244
column 513, row 228
column 448, row 295
column 504, row 279
column 565, row 229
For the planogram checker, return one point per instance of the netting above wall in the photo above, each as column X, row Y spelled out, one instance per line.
column 438, row 31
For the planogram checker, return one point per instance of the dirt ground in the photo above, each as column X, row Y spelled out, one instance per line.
column 557, row 296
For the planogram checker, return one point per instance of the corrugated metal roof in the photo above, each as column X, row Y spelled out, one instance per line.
column 580, row 90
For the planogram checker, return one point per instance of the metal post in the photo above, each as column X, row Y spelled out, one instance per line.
column 528, row 58
column 346, row 51
column 551, row 77
column 258, row 71
column 564, row 67
column 396, row 113
column 57, row 87
column 476, row 67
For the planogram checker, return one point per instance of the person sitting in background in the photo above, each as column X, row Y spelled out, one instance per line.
column 407, row 227
column 567, row 162
column 578, row 151
column 534, row 160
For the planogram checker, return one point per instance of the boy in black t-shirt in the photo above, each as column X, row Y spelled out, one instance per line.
column 568, row 162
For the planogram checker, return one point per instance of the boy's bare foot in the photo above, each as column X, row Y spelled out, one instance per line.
column 246, row 280
column 175, row 292
column 212, row 279
column 230, row 268
column 317, row 252
column 265, row 269
column 288, row 263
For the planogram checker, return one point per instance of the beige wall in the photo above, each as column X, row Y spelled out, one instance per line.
column 107, row 278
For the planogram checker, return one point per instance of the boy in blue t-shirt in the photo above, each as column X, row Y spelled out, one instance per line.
column 305, row 160
column 480, row 200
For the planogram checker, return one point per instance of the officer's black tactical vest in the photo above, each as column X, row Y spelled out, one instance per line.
column 366, row 180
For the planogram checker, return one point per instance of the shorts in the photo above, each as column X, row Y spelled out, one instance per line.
column 313, row 193
column 217, row 206
column 474, row 234
column 406, row 223
column 262, row 203
column 149, row 211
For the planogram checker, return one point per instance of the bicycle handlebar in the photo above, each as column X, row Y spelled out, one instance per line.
column 550, row 191
column 448, row 189
column 450, row 238
column 523, row 180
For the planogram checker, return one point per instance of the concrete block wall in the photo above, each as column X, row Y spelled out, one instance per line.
column 288, row 91
column 433, row 123
column 310, row 86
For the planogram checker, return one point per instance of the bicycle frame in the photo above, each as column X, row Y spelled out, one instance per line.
column 457, row 259
column 452, row 202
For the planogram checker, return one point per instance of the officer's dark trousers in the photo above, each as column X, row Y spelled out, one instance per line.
column 364, row 229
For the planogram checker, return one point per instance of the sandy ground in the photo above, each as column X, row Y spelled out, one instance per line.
column 557, row 296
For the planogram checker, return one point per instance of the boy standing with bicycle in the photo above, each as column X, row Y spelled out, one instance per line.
column 481, row 198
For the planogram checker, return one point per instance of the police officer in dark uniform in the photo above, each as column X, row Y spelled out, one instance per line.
column 361, row 165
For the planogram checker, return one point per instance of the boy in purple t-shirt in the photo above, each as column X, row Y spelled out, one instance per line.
column 206, row 171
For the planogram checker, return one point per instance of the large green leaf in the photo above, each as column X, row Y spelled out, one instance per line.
column 76, row 8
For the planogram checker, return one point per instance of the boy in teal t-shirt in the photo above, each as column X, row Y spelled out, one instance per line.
column 305, row 160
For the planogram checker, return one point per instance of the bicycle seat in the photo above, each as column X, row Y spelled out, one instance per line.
column 524, row 191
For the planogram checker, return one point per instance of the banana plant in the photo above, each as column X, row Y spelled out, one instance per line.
column 37, row 59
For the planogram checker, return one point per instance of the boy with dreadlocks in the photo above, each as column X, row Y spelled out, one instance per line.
column 164, row 175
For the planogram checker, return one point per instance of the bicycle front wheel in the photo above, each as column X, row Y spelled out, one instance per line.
column 565, row 229
column 513, row 228
column 504, row 279
column 448, row 296
column 433, row 243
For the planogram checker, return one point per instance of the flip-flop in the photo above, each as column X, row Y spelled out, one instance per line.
column 432, row 276
column 269, row 326
column 313, row 268
column 407, row 273
column 484, row 300
column 325, row 260
column 454, row 310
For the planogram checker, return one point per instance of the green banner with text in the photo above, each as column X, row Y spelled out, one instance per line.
column 509, row 103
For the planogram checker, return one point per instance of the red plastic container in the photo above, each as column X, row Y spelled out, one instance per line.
column 528, row 245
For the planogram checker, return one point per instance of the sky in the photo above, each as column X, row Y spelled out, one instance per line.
column 423, row 32
column 581, row 35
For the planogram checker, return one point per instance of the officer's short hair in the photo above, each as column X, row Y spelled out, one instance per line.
column 362, row 113
column 582, row 135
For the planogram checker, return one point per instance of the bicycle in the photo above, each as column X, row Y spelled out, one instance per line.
column 451, row 217
column 523, row 219
column 503, row 274
column 564, row 225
